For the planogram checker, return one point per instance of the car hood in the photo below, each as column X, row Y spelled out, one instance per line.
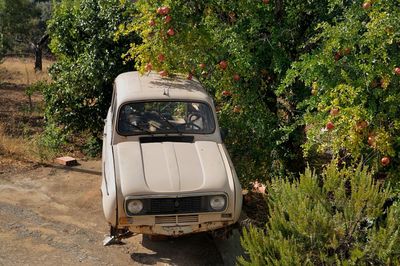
column 170, row 167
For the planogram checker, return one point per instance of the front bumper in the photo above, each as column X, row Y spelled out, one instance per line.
column 175, row 225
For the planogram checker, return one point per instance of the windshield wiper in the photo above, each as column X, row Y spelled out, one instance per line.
column 171, row 126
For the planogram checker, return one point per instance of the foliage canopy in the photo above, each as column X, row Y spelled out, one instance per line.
column 88, row 60
column 257, row 41
column 352, row 74
column 22, row 23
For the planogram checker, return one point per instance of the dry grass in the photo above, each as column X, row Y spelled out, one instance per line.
column 20, row 71
column 14, row 153
column 15, row 147
column 19, row 126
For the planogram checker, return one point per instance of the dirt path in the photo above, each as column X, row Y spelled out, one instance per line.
column 52, row 216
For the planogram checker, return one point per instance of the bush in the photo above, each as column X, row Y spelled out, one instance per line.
column 39, row 87
column 88, row 60
column 353, row 75
column 49, row 142
column 92, row 147
column 338, row 217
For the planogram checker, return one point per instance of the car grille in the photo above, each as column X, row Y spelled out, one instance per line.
column 165, row 219
column 179, row 219
column 177, row 205
column 188, row 219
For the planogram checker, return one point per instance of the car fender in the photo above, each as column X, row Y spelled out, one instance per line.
column 233, row 181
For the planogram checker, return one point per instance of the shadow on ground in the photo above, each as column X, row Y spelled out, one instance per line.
column 200, row 248
column 75, row 169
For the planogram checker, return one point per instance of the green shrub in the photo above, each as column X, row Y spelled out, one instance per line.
column 92, row 147
column 49, row 142
column 339, row 217
column 37, row 87
column 88, row 60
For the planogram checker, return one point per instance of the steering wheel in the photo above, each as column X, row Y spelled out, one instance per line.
column 192, row 118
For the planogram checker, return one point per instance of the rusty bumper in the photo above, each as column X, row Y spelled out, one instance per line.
column 170, row 229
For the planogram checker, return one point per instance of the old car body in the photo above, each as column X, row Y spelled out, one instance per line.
column 166, row 170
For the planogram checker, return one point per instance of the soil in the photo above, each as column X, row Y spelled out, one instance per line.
column 52, row 215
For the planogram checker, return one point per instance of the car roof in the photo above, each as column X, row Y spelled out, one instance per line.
column 133, row 86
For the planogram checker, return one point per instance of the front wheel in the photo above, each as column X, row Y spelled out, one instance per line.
column 116, row 236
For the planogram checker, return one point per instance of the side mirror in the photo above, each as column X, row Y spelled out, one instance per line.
column 224, row 133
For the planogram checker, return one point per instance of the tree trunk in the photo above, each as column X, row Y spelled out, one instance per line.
column 38, row 52
column 38, row 58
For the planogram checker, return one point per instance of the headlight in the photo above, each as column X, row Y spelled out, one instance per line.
column 217, row 203
column 134, row 206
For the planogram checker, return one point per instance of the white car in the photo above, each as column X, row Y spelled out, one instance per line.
column 166, row 170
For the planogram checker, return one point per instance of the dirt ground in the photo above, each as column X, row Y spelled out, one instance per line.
column 52, row 215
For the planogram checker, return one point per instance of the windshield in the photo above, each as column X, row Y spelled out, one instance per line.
column 163, row 117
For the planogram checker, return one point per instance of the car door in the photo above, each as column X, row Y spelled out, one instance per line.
column 108, row 181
